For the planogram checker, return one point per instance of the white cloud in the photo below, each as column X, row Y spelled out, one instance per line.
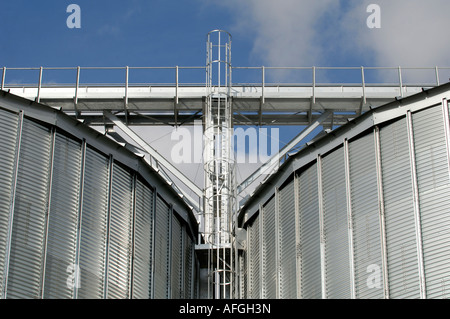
column 413, row 33
column 335, row 33
column 284, row 32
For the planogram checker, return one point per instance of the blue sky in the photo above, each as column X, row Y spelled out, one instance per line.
column 112, row 33
column 265, row 32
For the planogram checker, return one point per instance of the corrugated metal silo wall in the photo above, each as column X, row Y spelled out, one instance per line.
column 76, row 223
column 286, row 235
column 253, row 259
column 367, row 219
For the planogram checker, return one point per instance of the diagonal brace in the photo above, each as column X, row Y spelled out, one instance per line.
column 270, row 165
column 153, row 153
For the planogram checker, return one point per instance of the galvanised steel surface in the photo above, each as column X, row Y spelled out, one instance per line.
column 83, row 217
column 371, row 210
column 359, row 213
column 177, row 95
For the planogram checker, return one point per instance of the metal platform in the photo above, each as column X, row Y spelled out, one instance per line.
column 279, row 105
column 180, row 101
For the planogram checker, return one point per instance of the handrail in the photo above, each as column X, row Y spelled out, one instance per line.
column 262, row 81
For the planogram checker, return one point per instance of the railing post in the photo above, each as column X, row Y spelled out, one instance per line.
column 437, row 75
column 176, row 84
column 3, row 77
column 263, row 84
column 175, row 106
column 77, row 86
column 314, row 84
column 363, row 85
column 400, row 80
column 127, row 71
column 38, row 97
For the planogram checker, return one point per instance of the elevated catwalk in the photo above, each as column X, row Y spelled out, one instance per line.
column 260, row 101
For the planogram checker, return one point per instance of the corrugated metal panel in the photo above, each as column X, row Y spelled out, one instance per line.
column 177, row 259
column 365, row 218
column 162, row 240
column 403, row 271
column 269, row 266
column 309, row 248
column 196, row 280
column 288, row 260
column 9, row 123
column 120, row 234
column 143, row 242
column 254, row 260
column 434, row 196
column 243, row 274
column 188, row 266
column 335, row 226
column 63, row 218
column 26, row 260
column 94, row 225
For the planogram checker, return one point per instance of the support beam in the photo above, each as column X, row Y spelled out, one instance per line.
column 298, row 256
column 322, row 228
column 108, row 226
column 153, row 236
column 270, row 165
column 153, row 153
column 381, row 212
column 348, row 191
column 38, row 97
column 183, row 194
column 75, row 98
column 3, row 78
column 133, row 241
column 80, row 217
column 415, row 186
column 277, row 245
column 47, row 213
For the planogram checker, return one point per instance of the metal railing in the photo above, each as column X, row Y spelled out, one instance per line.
column 281, row 76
